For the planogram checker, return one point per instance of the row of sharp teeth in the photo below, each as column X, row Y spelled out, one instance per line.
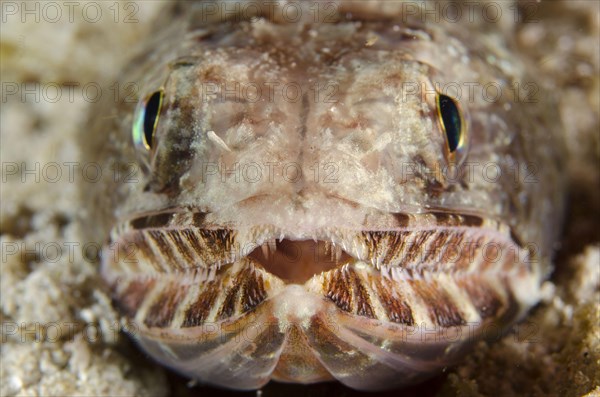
column 334, row 250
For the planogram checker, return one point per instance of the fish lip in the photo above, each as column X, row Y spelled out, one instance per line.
column 355, row 245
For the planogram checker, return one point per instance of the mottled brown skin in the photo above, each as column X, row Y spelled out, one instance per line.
column 410, row 262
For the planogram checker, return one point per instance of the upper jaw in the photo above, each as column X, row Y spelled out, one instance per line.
column 189, row 241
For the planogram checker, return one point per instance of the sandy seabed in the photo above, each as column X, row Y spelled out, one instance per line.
column 60, row 335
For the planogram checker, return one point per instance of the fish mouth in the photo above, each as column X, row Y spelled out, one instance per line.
column 297, row 261
column 336, row 295
column 174, row 249
column 172, row 242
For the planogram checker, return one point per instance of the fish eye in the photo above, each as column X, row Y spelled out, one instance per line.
column 452, row 122
column 146, row 120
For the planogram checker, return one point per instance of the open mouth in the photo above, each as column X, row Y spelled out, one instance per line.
column 213, row 274
column 377, row 299
column 295, row 262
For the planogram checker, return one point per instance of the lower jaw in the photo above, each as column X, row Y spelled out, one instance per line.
column 302, row 338
column 312, row 332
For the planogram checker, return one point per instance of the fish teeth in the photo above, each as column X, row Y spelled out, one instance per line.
column 337, row 252
column 268, row 248
column 334, row 250
column 265, row 250
column 272, row 244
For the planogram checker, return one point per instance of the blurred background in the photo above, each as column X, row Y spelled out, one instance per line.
column 60, row 335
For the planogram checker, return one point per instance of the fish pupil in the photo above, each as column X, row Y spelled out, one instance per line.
column 151, row 116
column 451, row 121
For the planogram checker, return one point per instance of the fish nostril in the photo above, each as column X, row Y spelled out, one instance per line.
column 296, row 261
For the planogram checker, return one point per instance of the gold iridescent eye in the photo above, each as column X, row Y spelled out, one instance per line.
column 452, row 122
column 146, row 120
